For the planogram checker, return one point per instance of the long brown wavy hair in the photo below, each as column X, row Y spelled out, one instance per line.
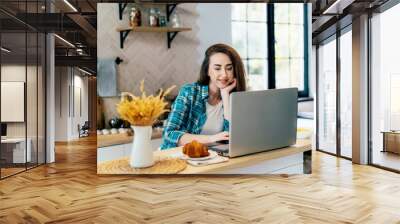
column 238, row 68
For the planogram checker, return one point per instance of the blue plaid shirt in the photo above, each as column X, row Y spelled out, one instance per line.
column 188, row 114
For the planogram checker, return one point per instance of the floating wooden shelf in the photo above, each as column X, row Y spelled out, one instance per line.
column 154, row 29
column 171, row 32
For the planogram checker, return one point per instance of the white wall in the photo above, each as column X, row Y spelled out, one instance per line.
column 12, row 73
column 67, row 114
column 33, row 126
column 61, row 103
column 313, row 72
column 79, row 117
column 309, row 106
column 215, row 25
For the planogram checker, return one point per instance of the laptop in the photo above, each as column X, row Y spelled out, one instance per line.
column 260, row 121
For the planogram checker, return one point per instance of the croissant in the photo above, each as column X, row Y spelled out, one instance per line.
column 195, row 149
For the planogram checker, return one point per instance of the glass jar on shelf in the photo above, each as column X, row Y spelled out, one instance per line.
column 135, row 17
column 175, row 20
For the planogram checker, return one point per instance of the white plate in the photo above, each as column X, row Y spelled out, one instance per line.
column 212, row 155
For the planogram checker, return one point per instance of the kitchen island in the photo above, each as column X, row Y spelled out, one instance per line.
column 295, row 159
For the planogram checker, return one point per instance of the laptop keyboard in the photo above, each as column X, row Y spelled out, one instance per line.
column 223, row 148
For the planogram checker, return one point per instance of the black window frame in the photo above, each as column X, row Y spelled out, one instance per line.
column 271, row 63
column 271, row 50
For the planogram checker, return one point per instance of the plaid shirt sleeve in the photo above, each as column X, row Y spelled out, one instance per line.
column 226, row 125
column 174, row 128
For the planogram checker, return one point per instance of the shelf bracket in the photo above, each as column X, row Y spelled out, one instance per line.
column 122, row 37
column 121, row 7
column 170, row 38
column 170, row 9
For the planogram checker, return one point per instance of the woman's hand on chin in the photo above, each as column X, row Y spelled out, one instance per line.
column 226, row 90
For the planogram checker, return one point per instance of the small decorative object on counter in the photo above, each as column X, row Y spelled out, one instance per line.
column 115, row 122
column 125, row 124
column 153, row 17
column 175, row 21
column 135, row 17
column 123, row 130
column 142, row 112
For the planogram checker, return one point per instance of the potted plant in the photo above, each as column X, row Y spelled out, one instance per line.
column 141, row 112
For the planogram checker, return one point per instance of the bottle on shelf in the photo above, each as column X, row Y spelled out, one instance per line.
column 153, row 17
column 163, row 21
column 158, row 15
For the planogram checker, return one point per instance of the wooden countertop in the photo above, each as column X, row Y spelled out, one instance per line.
column 118, row 139
column 238, row 162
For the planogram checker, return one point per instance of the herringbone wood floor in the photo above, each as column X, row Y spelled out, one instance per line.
column 69, row 191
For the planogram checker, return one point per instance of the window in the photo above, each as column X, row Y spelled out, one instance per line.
column 289, row 45
column 249, row 34
column 334, row 94
column 327, row 97
column 261, row 32
column 394, row 119
column 345, row 54
column 385, row 88
column 23, row 74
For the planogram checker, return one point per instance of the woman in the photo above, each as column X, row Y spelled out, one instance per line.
column 201, row 109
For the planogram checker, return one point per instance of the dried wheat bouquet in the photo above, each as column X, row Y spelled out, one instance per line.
column 142, row 110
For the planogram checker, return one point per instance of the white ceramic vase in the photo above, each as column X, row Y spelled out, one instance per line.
column 142, row 153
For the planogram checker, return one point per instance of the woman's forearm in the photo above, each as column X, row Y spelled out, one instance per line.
column 187, row 138
column 225, row 102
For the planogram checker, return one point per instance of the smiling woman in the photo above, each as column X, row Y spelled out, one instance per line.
column 201, row 110
column 225, row 53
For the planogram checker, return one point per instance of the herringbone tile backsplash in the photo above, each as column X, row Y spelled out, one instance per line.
column 146, row 55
